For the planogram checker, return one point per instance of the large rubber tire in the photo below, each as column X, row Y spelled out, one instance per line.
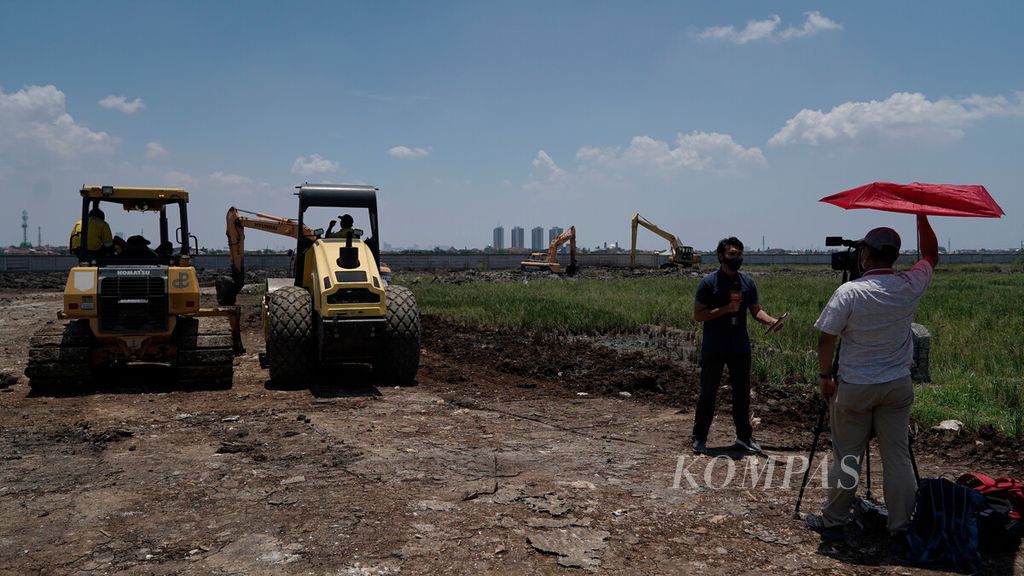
column 60, row 357
column 290, row 343
column 205, row 353
column 400, row 354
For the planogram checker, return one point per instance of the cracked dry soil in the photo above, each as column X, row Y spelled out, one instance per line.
column 511, row 456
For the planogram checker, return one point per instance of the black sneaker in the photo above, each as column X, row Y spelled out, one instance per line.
column 829, row 534
column 749, row 445
column 899, row 547
column 700, row 446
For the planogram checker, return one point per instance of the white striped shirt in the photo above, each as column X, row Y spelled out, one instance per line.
column 872, row 315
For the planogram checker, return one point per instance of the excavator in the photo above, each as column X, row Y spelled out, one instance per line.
column 682, row 256
column 228, row 287
column 549, row 261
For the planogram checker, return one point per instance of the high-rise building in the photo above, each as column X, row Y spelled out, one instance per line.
column 499, row 238
column 537, row 238
column 518, row 238
column 553, row 232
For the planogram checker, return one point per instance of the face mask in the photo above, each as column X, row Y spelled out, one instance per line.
column 733, row 263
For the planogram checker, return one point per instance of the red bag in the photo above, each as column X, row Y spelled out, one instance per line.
column 1007, row 488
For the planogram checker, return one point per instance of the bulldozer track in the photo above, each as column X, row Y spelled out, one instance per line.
column 59, row 357
column 205, row 354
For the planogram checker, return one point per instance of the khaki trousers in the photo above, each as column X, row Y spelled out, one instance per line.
column 856, row 409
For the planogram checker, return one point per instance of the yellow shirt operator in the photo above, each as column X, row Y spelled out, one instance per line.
column 99, row 234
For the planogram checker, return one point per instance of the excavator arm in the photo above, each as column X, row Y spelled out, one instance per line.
column 228, row 287
column 566, row 236
column 551, row 261
column 680, row 255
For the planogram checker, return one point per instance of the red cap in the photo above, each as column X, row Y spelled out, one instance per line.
column 882, row 238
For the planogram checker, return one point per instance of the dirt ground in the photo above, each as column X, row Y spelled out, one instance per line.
column 514, row 454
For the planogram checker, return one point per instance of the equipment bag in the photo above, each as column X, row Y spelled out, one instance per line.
column 1007, row 488
column 870, row 515
column 943, row 532
column 999, row 521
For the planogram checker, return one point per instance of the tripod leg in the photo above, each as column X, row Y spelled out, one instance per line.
column 867, row 467
column 913, row 460
column 819, row 426
column 810, row 458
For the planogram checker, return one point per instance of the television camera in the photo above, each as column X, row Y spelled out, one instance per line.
column 849, row 261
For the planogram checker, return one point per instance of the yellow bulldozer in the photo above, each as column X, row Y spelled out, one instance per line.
column 125, row 302
column 339, row 306
column 681, row 256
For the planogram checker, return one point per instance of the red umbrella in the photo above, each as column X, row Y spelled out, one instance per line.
column 920, row 198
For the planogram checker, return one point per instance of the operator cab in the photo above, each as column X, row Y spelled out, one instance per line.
column 319, row 203
column 168, row 204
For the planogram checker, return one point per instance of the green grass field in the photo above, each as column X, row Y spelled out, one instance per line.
column 973, row 313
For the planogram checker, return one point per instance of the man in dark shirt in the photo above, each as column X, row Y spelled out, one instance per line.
column 723, row 298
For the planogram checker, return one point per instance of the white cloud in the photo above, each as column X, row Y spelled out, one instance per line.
column 228, row 179
column 154, row 151
column 547, row 174
column 178, row 179
column 645, row 156
column 315, row 164
column 767, row 30
column 596, row 155
column 546, row 166
column 36, row 117
column 121, row 104
column 814, row 24
column 406, row 152
column 902, row 116
column 755, row 30
column 695, row 151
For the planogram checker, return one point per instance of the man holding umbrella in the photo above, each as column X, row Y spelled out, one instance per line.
column 872, row 389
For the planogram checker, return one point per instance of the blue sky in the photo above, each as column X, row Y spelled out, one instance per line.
column 710, row 119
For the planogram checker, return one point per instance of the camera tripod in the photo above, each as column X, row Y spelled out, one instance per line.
column 818, row 428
